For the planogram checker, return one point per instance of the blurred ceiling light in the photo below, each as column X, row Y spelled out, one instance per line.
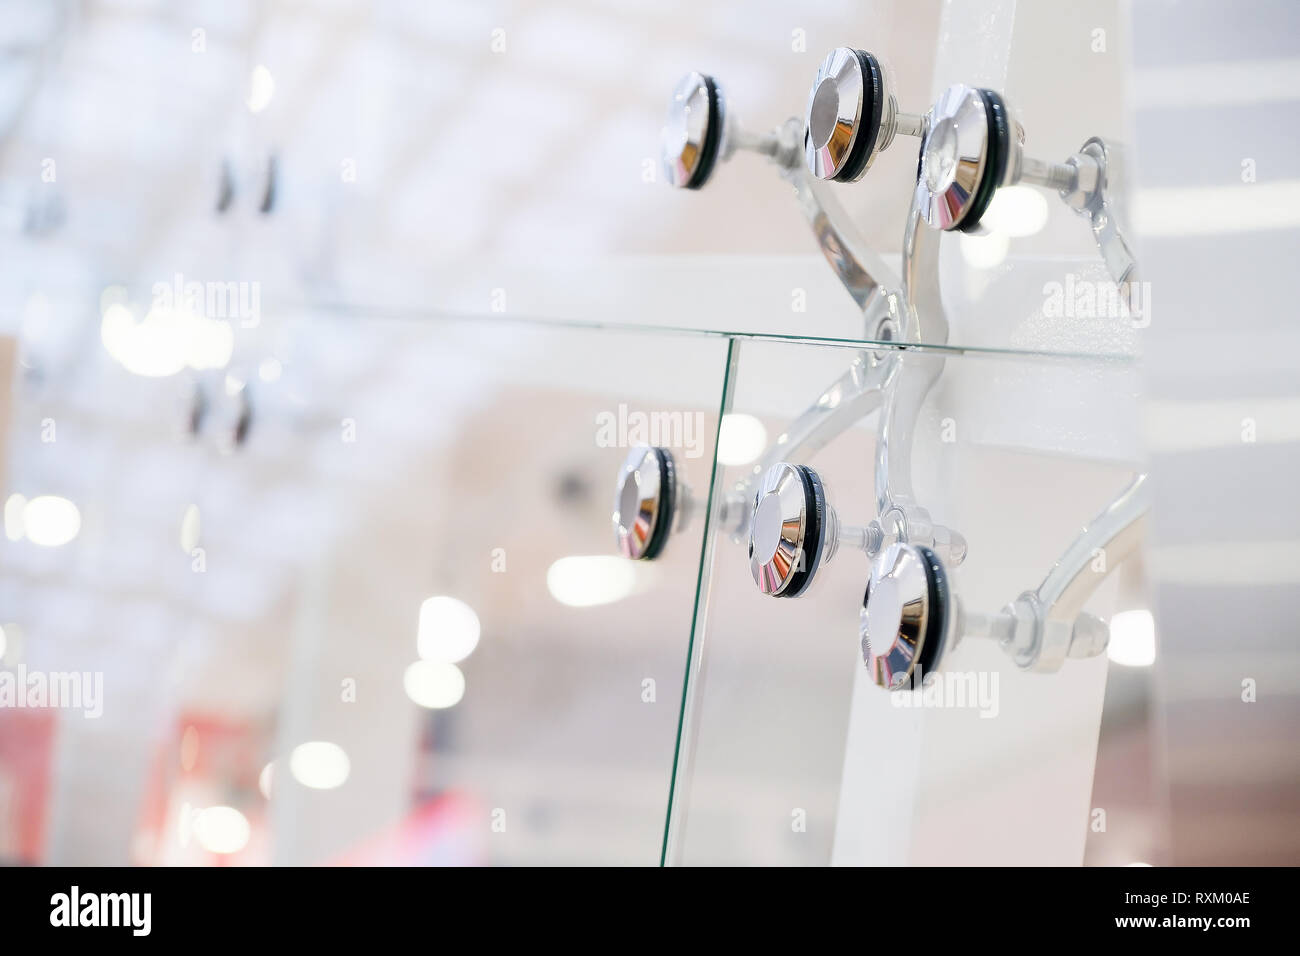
column 1016, row 211
column 51, row 521
column 4, row 642
column 118, row 332
column 589, row 580
column 221, row 830
column 448, row 631
column 269, row 370
column 154, row 348
column 212, row 342
column 1132, row 638
column 191, row 527
column 984, row 252
column 741, row 439
column 1137, row 863
column 165, row 341
column 265, row 778
column 434, row 684
column 261, row 87
column 320, row 765
column 15, row 505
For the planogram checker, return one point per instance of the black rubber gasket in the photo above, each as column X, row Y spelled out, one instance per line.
column 872, row 101
column 667, row 502
column 995, row 164
column 712, row 138
column 814, row 497
column 936, row 624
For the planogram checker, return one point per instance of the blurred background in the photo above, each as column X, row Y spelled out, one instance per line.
column 338, row 542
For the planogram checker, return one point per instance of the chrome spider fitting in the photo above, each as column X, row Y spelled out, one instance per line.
column 852, row 116
column 910, row 616
column 911, row 619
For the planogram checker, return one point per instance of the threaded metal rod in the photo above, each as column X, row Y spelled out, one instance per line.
column 1059, row 176
column 909, row 124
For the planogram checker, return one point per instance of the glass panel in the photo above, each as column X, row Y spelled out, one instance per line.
column 267, row 601
column 790, row 754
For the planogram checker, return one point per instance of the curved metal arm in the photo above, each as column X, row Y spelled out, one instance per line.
column 862, row 273
column 1114, row 534
column 909, row 381
column 922, row 309
column 871, row 285
column 850, row 398
column 926, row 321
column 1045, row 619
column 1088, row 183
column 907, row 310
column 1098, row 204
column 892, row 380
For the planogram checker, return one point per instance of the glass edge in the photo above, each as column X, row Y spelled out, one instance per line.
column 706, row 558
column 395, row 313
